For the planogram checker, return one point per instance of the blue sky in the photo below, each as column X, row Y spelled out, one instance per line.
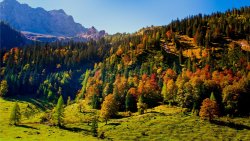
column 131, row 15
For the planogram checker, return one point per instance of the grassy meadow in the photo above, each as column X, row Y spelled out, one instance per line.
column 157, row 124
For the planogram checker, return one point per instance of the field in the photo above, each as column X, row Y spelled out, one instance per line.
column 160, row 123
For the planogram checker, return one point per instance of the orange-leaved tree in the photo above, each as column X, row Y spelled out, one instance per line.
column 209, row 109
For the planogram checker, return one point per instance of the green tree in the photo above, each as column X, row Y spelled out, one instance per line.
column 130, row 102
column 164, row 91
column 3, row 88
column 94, row 127
column 29, row 111
column 212, row 97
column 84, row 84
column 141, row 106
column 69, row 100
column 59, row 114
column 95, row 102
column 15, row 116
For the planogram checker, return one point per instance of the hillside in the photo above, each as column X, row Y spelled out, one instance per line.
column 159, row 123
column 9, row 37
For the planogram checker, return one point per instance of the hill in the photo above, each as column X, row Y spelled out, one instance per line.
column 10, row 37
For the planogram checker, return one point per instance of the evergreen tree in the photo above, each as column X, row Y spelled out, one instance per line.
column 94, row 127
column 59, row 114
column 130, row 102
column 95, row 102
column 141, row 106
column 29, row 111
column 68, row 101
column 15, row 116
column 212, row 97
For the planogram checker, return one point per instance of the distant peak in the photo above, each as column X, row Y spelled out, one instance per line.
column 59, row 11
column 93, row 28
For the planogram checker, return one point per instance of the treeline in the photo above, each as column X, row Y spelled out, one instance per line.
column 207, row 28
column 10, row 37
column 48, row 68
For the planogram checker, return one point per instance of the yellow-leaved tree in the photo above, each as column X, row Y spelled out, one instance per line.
column 109, row 107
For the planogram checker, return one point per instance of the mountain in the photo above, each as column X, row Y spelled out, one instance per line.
column 10, row 37
column 37, row 20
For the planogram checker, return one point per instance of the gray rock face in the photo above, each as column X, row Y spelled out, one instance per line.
column 37, row 20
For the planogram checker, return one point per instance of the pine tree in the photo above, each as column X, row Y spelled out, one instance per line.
column 15, row 116
column 141, row 106
column 95, row 102
column 130, row 102
column 212, row 97
column 69, row 100
column 29, row 111
column 59, row 111
column 94, row 127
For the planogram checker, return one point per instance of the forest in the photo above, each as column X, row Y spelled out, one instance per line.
column 200, row 63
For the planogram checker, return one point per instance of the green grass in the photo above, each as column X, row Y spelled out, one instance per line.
column 159, row 123
column 32, row 130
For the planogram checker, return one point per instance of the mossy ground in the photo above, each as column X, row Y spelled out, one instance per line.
column 160, row 123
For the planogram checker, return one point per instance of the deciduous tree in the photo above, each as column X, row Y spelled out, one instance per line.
column 209, row 109
column 109, row 107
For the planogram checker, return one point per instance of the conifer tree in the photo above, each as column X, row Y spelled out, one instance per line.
column 95, row 102
column 59, row 115
column 212, row 97
column 141, row 106
column 94, row 127
column 130, row 102
column 69, row 100
column 15, row 116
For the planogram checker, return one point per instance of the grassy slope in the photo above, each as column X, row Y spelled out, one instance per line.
column 159, row 123
column 32, row 131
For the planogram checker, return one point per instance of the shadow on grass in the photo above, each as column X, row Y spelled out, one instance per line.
column 26, row 126
column 115, row 124
column 231, row 125
column 74, row 129
column 43, row 105
column 155, row 112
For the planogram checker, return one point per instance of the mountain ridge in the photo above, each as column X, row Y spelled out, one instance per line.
column 22, row 17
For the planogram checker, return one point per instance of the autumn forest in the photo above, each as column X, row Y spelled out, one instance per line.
column 195, row 70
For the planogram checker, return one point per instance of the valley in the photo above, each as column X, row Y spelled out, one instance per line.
column 186, row 80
